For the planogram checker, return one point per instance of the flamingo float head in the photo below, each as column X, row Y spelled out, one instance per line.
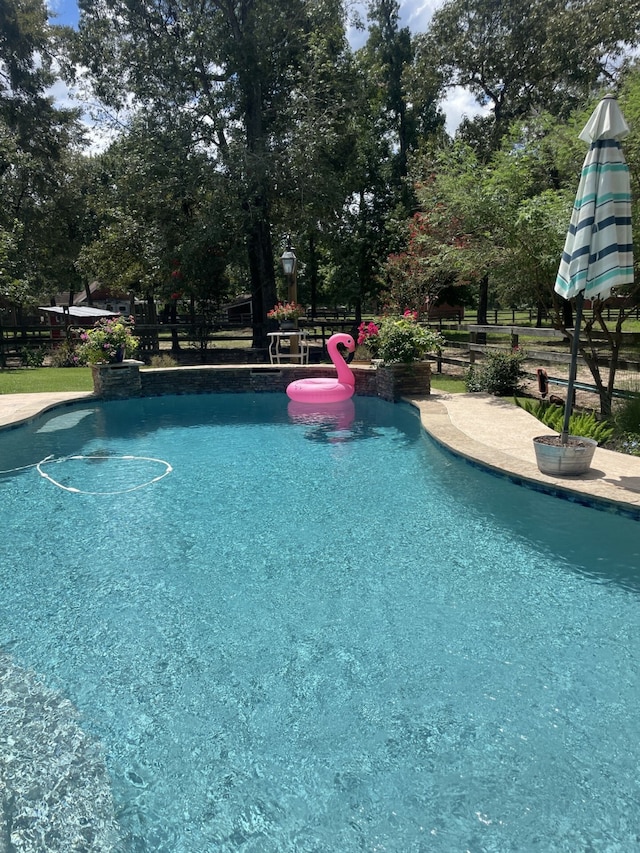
column 341, row 338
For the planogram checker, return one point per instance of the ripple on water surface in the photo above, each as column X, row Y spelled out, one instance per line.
column 326, row 635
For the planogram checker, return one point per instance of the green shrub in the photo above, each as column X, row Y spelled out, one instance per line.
column 402, row 340
column 500, row 373
column 65, row 355
column 580, row 423
column 627, row 416
column 33, row 356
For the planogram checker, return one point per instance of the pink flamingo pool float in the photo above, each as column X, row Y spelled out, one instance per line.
column 328, row 390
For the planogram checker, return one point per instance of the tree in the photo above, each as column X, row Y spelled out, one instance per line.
column 526, row 56
column 225, row 70
column 41, row 210
column 404, row 93
column 318, row 158
column 163, row 220
column 463, row 212
column 500, row 224
column 396, row 110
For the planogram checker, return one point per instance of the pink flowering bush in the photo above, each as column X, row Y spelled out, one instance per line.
column 110, row 339
column 399, row 339
column 368, row 337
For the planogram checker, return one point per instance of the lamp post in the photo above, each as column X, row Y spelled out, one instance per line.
column 289, row 267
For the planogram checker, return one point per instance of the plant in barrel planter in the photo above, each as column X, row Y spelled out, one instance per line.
column 575, row 455
column 109, row 341
column 402, row 344
column 287, row 314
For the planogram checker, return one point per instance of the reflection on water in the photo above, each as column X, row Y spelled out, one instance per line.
column 330, row 422
column 340, row 414
column 291, row 644
column 66, row 421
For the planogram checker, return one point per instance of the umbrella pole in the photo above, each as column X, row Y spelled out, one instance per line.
column 573, row 368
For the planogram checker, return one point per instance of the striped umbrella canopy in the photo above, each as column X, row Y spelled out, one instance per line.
column 598, row 251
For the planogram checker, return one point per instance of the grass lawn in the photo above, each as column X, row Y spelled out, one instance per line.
column 43, row 379
column 448, row 384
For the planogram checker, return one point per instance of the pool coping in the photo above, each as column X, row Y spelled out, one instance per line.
column 497, row 436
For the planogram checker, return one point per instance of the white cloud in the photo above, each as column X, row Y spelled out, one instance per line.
column 417, row 14
column 62, row 95
column 458, row 104
column 100, row 128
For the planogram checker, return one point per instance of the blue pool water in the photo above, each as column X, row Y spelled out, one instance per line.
column 294, row 634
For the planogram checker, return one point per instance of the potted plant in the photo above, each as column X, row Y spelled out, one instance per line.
column 287, row 314
column 574, row 455
column 109, row 341
column 402, row 340
column 568, row 458
column 402, row 344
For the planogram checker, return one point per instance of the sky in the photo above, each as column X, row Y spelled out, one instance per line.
column 414, row 14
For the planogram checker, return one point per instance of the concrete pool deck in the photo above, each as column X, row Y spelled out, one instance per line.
column 486, row 430
column 496, row 434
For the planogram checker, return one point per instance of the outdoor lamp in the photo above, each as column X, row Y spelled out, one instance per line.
column 288, row 261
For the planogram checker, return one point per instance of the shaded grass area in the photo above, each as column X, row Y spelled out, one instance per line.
column 45, row 379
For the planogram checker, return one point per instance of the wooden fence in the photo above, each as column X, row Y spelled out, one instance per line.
column 17, row 341
column 555, row 358
column 211, row 342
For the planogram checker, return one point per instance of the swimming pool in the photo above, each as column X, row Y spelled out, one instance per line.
column 320, row 635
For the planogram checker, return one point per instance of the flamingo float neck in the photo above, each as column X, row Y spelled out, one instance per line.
column 345, row 374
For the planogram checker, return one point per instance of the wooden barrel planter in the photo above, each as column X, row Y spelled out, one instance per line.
column 564, row 460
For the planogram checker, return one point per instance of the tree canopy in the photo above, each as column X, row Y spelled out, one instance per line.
column 40, row 173
column 528, row 56
column 247, row 123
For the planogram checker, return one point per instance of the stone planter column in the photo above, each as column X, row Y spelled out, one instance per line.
column 117, row 381
column 403, row 380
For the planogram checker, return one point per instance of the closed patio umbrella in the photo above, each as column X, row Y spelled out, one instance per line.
column 598, row 251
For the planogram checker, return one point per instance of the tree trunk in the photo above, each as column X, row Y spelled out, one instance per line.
column 151, row 318
column 358, row 311
column 614, row 339
column 263, row 281
column 257, row 206
column 483, row 307
column 483, row 301
column 313, row 273
column 173, row 319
